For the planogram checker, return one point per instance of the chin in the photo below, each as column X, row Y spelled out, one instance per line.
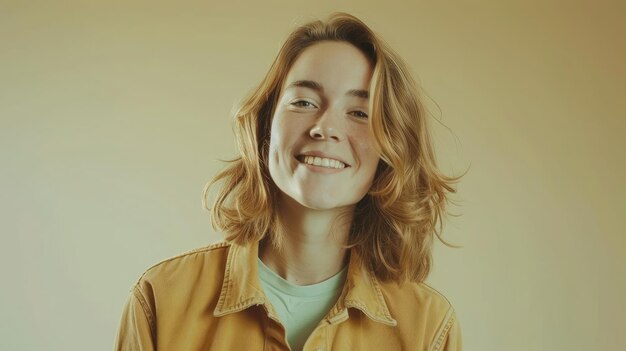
column 308, row 202
column 315, row 204
column 321, row 204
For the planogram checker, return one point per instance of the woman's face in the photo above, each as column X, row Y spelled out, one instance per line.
column 321, row 152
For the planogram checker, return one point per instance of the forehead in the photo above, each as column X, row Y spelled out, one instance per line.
column 337, row 66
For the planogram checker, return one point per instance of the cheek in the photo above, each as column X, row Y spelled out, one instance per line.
column 367, row 150
column 276, row 135
column 371, row 162
column 274, row 144
column 279, row 143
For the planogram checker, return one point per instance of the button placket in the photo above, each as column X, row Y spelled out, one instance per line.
column 317, row 339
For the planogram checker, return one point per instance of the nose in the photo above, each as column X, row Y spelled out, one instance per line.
column 326, row 127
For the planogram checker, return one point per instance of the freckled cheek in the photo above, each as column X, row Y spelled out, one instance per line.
column 369, row 158
column 367, row 148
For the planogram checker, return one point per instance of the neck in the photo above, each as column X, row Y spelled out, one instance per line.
column 312, row 243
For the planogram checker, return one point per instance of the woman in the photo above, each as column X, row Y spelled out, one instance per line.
column 330, row 213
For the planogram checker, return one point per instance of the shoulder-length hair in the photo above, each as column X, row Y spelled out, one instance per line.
column 394, row 224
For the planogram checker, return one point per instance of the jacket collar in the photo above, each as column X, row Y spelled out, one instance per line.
column 362, row 291
column 242, row 289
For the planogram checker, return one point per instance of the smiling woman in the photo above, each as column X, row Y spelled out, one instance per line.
column 330, row 212
column 319, row 115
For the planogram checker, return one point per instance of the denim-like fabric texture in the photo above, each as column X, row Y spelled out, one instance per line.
column 211, row 299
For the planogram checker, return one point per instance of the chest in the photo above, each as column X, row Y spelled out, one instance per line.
column 253, row 329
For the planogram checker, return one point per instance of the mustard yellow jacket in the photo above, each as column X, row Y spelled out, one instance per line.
column 211, row 299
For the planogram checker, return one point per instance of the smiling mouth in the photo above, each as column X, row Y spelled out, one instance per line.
column 321, row 162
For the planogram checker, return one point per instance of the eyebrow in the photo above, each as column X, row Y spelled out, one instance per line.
column 363, row 94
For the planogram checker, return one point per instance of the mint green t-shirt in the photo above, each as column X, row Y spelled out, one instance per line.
column 300, row 307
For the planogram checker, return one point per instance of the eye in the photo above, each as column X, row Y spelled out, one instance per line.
column 303, row 103
column 359, row 114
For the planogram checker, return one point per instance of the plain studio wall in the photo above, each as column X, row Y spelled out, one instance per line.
column 113, row 116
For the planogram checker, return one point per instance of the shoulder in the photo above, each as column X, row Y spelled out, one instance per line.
column 418, row 306
column 428, row 297
column 201, row 265
column 443, row 319
column 174, row 286
column 417, row 295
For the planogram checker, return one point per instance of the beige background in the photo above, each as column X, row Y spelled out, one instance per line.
column 114, row 115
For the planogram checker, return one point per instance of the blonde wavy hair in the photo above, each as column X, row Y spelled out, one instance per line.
column 394, row 224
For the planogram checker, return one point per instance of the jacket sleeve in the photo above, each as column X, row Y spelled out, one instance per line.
column 449, row 334
column 453, row 339
column 136, row 330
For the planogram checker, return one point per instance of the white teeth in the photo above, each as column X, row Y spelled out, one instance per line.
column 324, row 162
